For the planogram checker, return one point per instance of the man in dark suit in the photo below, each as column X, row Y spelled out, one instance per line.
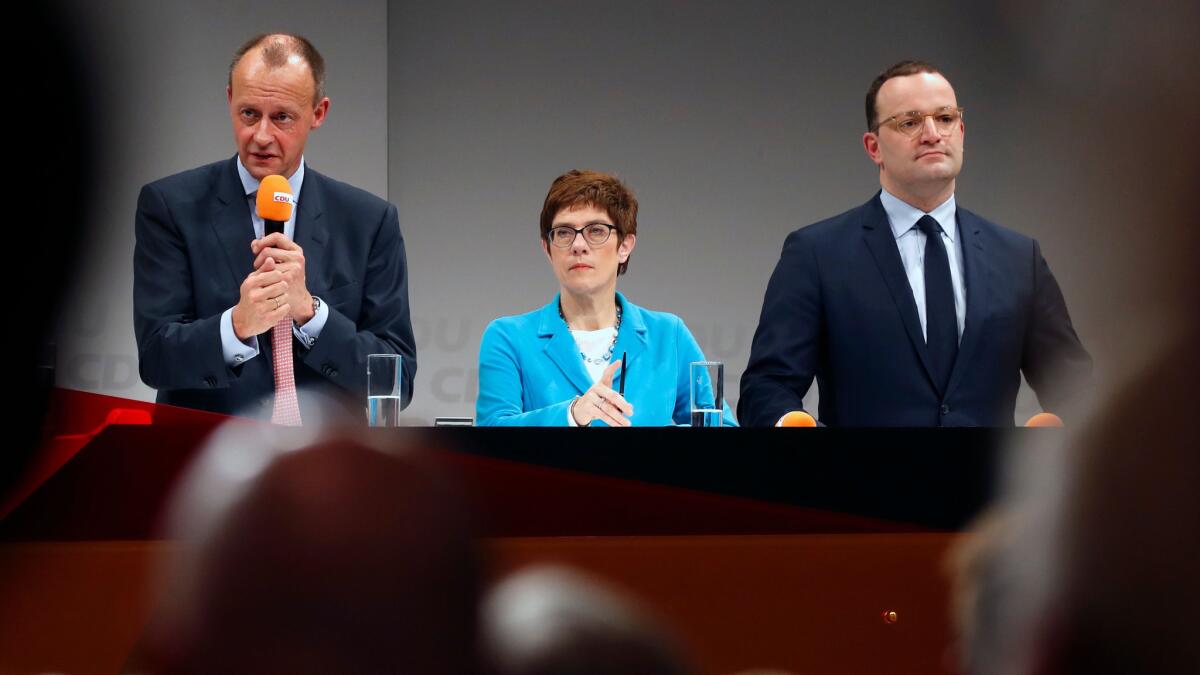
column 909, row 310
column 235, row 320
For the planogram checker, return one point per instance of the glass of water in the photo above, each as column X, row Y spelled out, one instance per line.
column 385, row 382
column 708, row 392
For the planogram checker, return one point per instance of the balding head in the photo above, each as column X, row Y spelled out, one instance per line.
column 275, row 50
column 554, row 621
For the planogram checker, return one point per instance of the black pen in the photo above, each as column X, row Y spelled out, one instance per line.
column 624, row 369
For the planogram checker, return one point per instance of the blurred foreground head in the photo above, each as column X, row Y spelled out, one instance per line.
column 553, row 621
column 1129, row 575
column 336, row 557
column 1090, row 566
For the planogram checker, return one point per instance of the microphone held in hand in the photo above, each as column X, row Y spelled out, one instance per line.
column 274, row 203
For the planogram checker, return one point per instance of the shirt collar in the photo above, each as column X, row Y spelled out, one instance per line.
column 903, row 216
column 250, row 183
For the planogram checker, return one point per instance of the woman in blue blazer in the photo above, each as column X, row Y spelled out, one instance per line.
column 555, row 366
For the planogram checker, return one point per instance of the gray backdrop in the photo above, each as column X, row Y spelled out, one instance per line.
column 734, row 123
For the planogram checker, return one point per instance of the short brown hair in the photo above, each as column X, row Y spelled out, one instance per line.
column 575, row 189
column 276, row 52
column 909, row 67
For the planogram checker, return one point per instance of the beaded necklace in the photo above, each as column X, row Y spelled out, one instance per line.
column 611, row 346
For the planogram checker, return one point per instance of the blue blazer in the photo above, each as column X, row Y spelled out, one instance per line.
column 530, row 369
column 839, row 307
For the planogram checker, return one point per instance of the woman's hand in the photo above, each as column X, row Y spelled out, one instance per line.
column 600, row 402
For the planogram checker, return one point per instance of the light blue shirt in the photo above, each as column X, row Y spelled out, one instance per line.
column 910, row 240
column 237, row 352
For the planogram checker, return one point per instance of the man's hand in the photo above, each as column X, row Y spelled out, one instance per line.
column 600, row 402
column 289, row 260
column 263, row 302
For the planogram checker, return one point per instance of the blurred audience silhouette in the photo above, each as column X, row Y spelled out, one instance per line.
column 337, row 557
column 554, row 621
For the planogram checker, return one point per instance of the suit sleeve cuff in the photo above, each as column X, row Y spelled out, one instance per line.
column 234, row 350
column 309, row 332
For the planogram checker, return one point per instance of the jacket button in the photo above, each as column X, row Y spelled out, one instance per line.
column 945, row 409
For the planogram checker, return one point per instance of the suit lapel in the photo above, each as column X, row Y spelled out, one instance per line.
column 978, row 281
column 231, row 223
column 631, row 340
column 311, row 233
column 560, row 346
column 877, row 234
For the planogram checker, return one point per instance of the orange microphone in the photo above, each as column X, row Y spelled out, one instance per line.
column 797, row 418
column 274, row 203
column 1044, row 419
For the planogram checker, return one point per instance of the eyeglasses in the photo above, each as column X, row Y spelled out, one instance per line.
column 594, row 233
column 945, row 120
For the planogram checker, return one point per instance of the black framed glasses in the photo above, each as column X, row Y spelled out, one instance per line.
column 593, row 233
column 945, row 120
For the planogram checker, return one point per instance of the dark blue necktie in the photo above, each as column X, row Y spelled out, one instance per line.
column 941, row 323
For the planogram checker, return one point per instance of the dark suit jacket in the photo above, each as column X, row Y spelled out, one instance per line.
column 839, row 307
column 192, row 255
